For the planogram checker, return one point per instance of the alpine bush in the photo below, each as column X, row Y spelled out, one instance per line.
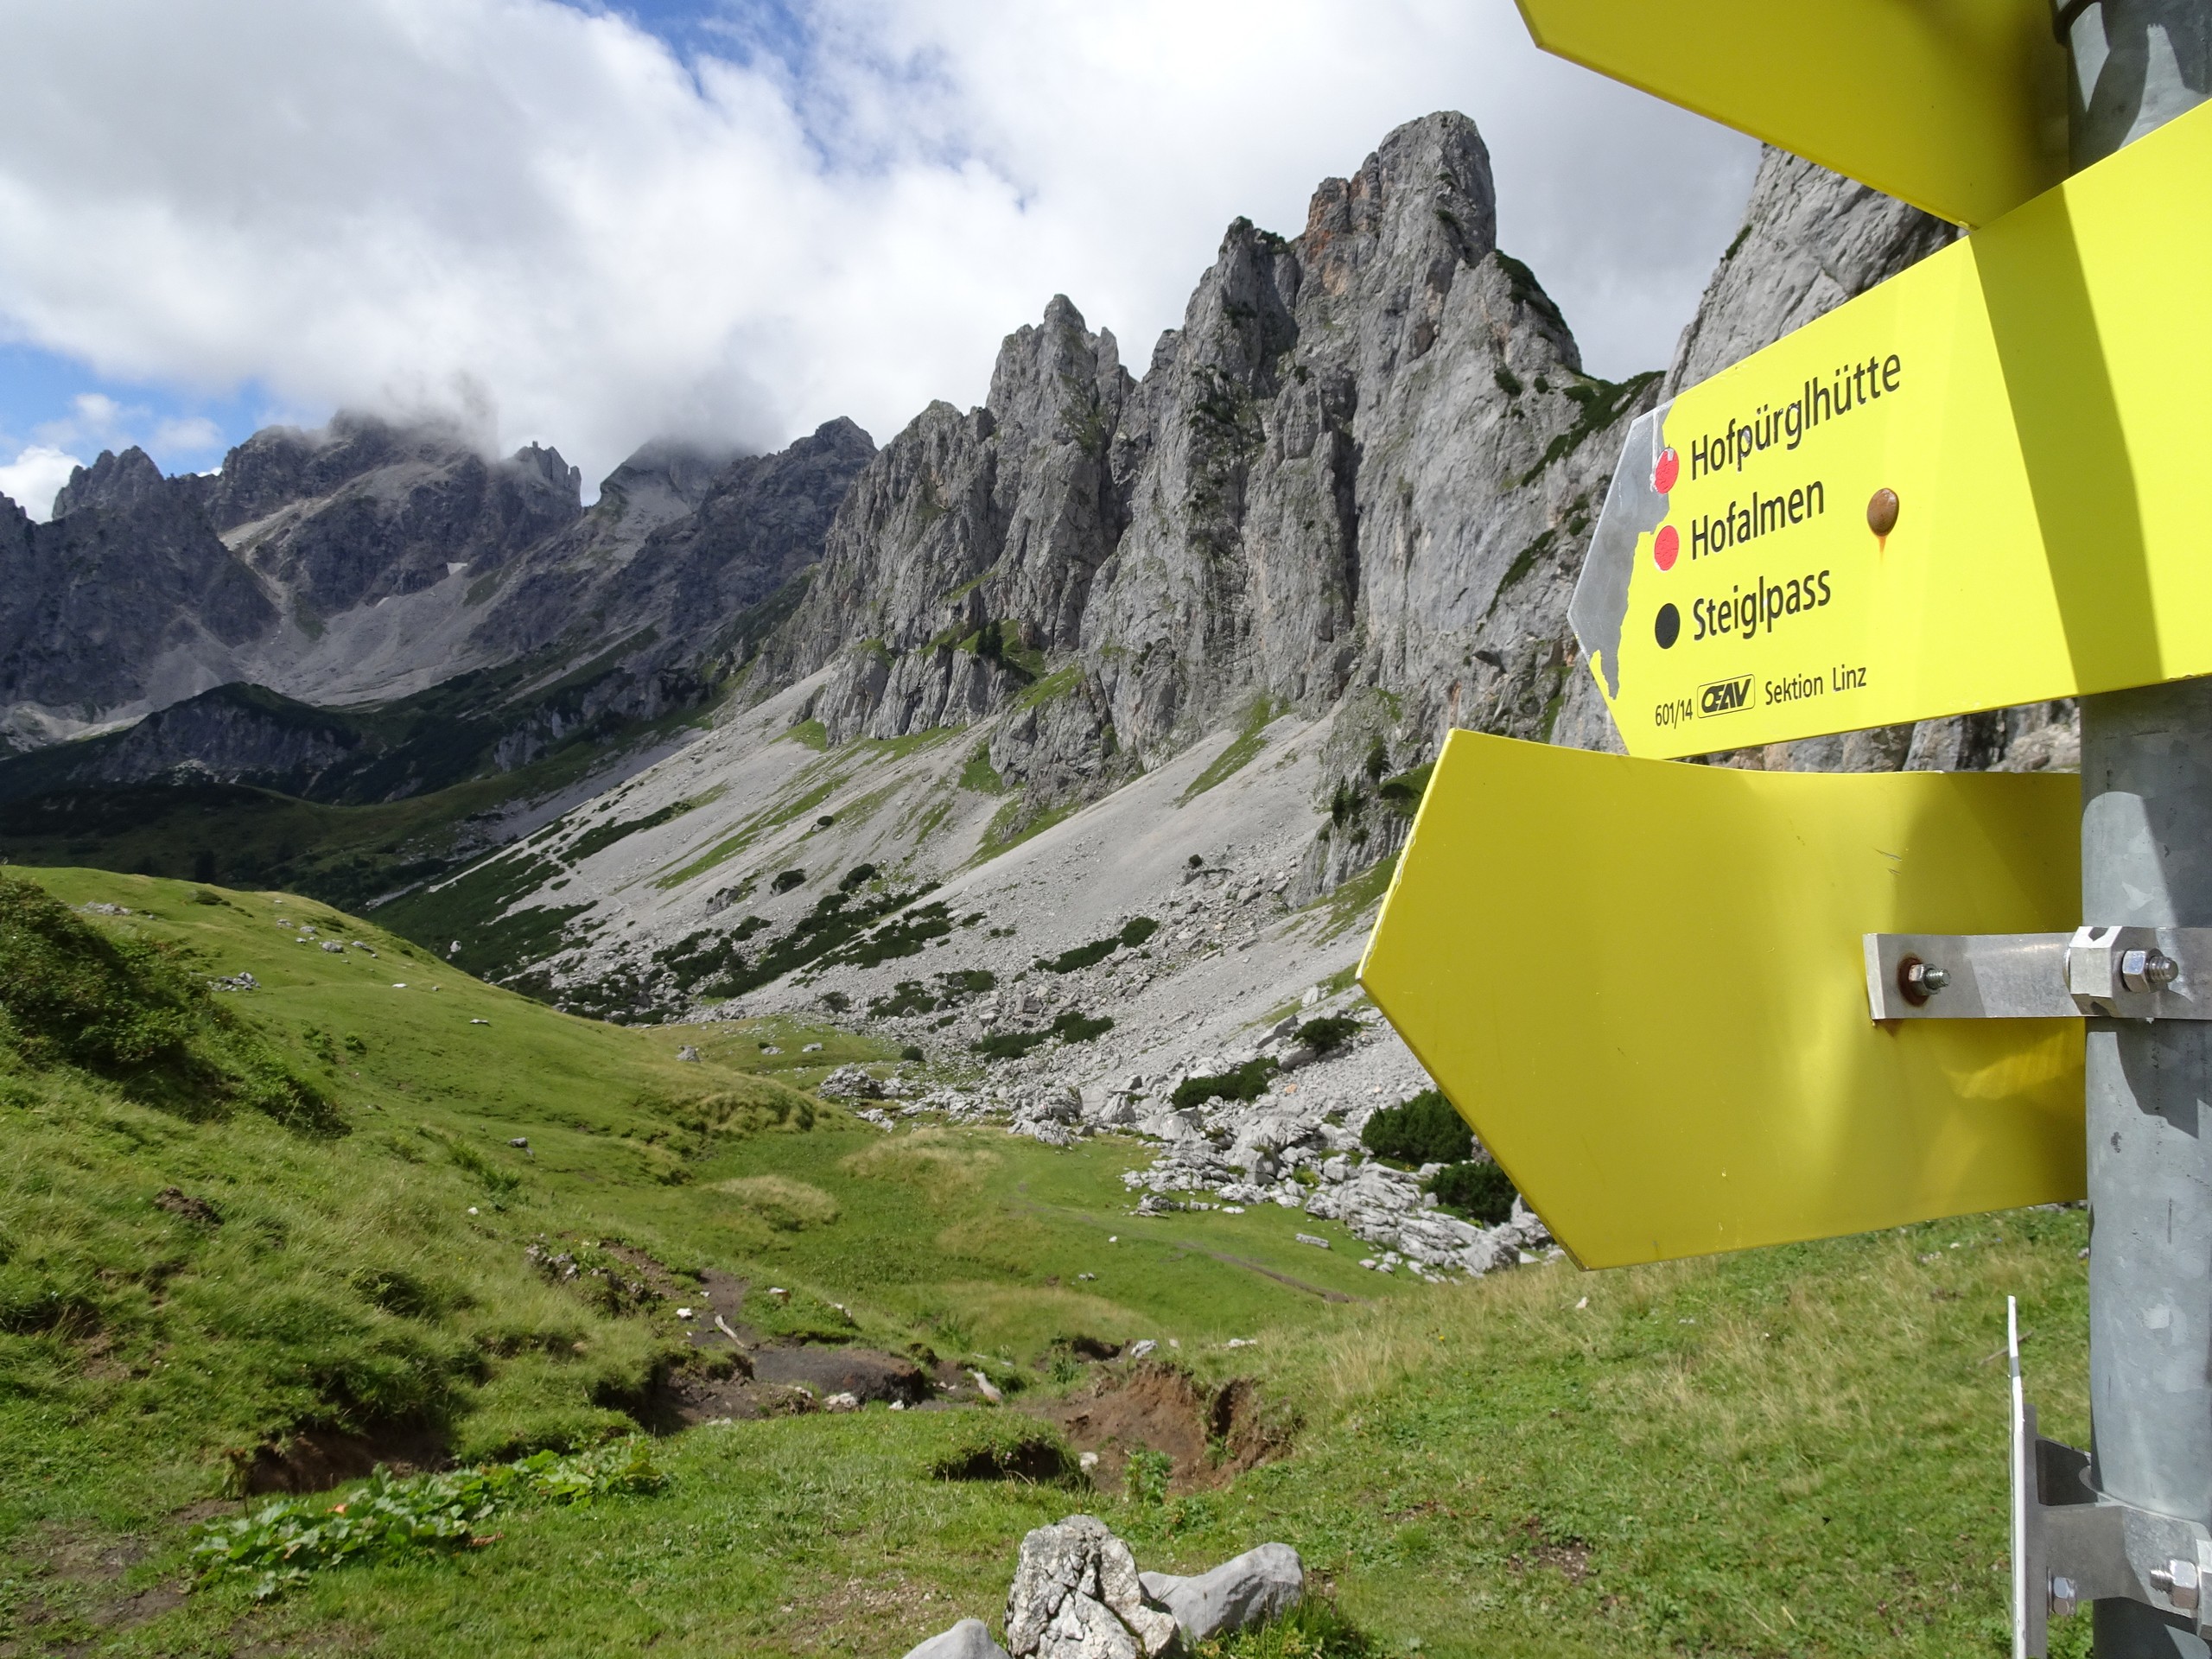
column 1333, row 1032
column 1422, row 1130
column 1247, row 1081
column 1478, row 1190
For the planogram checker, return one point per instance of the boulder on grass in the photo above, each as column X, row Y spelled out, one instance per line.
column 1077, row 1595
column 1259, row 1585
column 967, row 1639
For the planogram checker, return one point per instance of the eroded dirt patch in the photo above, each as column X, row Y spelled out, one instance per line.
column 315, row 1460
column 865, row 1373
column 731, row 1373
column 1570, row 1557
column 1209, row 1436
column 82, row 1575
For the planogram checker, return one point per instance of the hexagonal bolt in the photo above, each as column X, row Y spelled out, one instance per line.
column 1920, row 979
column 2063, row 1598
column 2178, row 1583
column 2147, row 970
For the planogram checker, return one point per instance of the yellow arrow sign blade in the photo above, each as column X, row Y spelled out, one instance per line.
column 2023, row 417
column 1643, row 985
column 1957, row 106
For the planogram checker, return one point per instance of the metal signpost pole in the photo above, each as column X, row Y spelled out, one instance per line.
column 2146, row 859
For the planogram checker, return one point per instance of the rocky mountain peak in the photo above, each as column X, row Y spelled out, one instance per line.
column 1421, row 207
column 117, row 483
column 545, row 465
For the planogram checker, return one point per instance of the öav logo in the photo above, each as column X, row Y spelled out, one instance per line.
column 1724, row 696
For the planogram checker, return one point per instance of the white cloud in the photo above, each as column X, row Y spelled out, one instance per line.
column 539, row 212
column 190, row 435
column 31, row 480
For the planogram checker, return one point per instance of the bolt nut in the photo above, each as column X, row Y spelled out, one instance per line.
column 2147, row 970
column 2062, row 1598
column 1918, row 980
column 2178, row 1583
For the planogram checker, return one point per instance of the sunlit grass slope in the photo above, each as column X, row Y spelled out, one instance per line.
column 1789, row 1451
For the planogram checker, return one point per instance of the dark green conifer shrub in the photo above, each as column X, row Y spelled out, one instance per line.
column 1479, row 1191
column 1422, row 1130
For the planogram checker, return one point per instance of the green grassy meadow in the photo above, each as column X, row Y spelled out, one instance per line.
column 1797, row 1451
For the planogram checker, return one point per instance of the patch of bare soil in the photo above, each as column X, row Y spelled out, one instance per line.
column 866, row 1374
column 732, row 1374
column 315, row 1460
column 83, row 1573
column 178, row 1202
column 1569, row 1557
column 720, row 1296
column 1209, row 1437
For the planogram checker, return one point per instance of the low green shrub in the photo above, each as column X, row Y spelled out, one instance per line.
column 1081, row 956
column 1332, row 1032
column 902, row 936
column 786, row 880
column 1147, row 1475
column 908, row 997
column 1479, row 1191
column 1074, row 1027
column 1010, row 1044
column 282, row 1542
column 1137, row 930
column 1422, row 1130
column 1247, row 1082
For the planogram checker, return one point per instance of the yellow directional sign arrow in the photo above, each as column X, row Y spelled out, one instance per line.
column 1958, row 106
column 1987, row 481
column 1643, row 985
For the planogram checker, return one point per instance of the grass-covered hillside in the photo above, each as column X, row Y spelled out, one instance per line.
column 255, row 1239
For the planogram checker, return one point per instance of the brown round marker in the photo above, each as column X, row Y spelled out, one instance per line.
column 1882, row 515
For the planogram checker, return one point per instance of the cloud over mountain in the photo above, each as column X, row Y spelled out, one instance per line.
column 545, row 217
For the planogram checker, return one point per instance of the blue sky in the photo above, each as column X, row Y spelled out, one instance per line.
column 588, row 225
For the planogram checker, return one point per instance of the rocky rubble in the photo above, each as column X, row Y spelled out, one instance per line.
column 1077, row 1594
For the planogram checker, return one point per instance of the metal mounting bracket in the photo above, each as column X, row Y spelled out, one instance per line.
column 2071, row 1544
column 2102, row 973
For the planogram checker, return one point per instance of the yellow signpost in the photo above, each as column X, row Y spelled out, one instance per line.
column 1643, row 984
column 1957, row 106
column 1987, row 481
column 1984, row 482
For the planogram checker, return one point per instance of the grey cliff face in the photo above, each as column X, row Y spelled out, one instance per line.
column 665, row 579
column 125, row 588
column 366, row 511
column 998, row 518
column 234, row 733
column 758, row 525
column 369, row 562
column 1810, row 240
column 1362, row 465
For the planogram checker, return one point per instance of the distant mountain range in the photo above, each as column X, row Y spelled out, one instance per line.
column 1355, row 486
